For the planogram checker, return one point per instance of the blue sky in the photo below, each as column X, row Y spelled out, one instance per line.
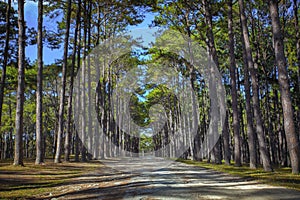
column 51, row 55
column 31, row 14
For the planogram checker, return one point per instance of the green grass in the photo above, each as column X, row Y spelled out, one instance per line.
column 18, row 182
column 280, row 176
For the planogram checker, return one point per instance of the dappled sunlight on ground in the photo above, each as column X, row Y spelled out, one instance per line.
column 156, row 179
column 175, row 181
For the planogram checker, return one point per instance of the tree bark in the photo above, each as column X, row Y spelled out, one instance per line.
column 226, row 141
column 18, row 158
column 63, row 89
column 39, row 93
column 5, row 60
column 90, row 98
column 83, row 88
column 213, row 53
column 70, row 98
column 78, row 100
column 247, row 59
column 235, row 112
column 289, row 124
column 295, row 7
column 255, row 99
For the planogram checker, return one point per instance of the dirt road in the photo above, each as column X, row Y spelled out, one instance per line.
column 174, row 181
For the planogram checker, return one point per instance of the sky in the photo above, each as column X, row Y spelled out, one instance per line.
column 31, row 14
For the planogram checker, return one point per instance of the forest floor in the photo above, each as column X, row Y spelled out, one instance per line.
column 94, row 180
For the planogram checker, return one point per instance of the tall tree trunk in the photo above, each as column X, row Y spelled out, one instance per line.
column 271, row 128
column 83, row 86
column 289, row 125
column 101, row 95
column 18, row 158
column 234, row 96
column 214, row 56
column 63, row 89
column 255, row 99
column 244, row 145
column 90, row 98
column 70, row 98
column 83, row 110
column 226, row 141
column 5, row 60
column 39, row 91
column 78, row 100
column 295, row 7
column 247, row 59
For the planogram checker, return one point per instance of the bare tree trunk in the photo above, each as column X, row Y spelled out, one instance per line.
column 256, row 107
column 18, row 158
column 214, row 56
column 83, row 88
column 246, row 59
column 10, row 133
column 226, row 141
column 5, row 149
column 39, row 92
column 101, row 110
column 270, row 119
column 295, row 7
column 5, row 60
column 235, row 112
column 78, row 100
column 26, row 144
column 289, row 125
column 83, row 109
column 70, row 98
column 90, row 98
column 63, row 89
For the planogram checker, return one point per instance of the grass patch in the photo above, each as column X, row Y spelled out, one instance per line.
column 18, row 182
column 280, row 176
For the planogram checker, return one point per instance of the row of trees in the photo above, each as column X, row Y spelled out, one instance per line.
column 261, row 40
column 254, row 44
column 42, row 126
